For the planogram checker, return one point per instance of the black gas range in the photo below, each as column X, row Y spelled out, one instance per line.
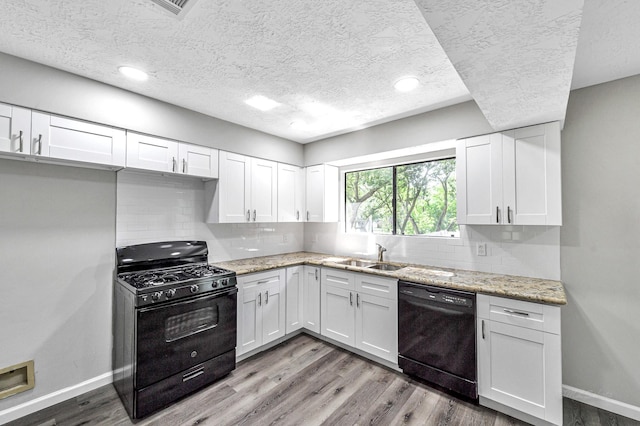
column 174, row 323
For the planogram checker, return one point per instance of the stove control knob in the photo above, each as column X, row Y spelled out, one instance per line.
column 194, row 288
column 156, row 296
column 171, row 293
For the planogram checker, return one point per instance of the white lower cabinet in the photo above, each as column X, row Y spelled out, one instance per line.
column 261, row 309
column 361, row 311
column 295, row 305
column 519, row 358
column 311, row 298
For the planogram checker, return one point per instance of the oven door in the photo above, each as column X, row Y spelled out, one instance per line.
column 173, row 337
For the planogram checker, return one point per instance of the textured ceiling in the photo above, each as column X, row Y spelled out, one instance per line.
column 330, row 64
column 515, row 57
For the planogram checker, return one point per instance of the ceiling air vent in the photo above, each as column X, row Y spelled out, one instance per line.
column 177, row 7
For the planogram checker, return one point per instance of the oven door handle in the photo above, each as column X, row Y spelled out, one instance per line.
column 227, row 292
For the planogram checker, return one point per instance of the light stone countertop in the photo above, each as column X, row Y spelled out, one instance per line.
column 515, row 287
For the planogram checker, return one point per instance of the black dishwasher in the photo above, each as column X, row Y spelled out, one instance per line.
column 437, row 336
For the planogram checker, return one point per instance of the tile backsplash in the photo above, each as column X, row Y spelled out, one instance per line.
column 532, row 251
column 154, row 207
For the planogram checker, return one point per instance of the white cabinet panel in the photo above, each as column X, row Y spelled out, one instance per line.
column 510, row 178
column 291, row 188
column 322, row 182
column 151, row 153
column 264, row 190
column 196, row 160
column 295, row 298
column 311, row 298
column 261, row 309
column 15, row 129
column 519, row 364
column 360, row 310
column 75, row 140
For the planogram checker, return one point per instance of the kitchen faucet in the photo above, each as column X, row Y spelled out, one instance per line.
column 381, row 250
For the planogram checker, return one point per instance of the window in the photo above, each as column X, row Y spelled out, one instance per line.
column 410, row 199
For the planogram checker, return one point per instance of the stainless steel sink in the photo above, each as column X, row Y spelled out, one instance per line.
column 356, row 262
column 385, row 267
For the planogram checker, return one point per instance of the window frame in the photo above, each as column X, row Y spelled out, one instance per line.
column 394, row 166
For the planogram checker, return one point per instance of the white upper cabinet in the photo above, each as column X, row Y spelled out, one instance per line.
column 165, row 155
column 322, row 193
column 75, row 140
column 510, row 178
column 15, row 129
column 291, row 193
column 246, row 190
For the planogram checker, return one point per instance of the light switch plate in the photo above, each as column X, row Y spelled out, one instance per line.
column 481, row 249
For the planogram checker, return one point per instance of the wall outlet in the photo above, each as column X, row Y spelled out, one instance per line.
column 481, row 249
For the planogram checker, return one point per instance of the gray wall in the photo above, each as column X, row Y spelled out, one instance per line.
column 47, row 89
column 457, row 121
column 57, row 239
column 600, row 240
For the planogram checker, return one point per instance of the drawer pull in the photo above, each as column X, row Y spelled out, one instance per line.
column 510, row 311
column 193, row 374
column 482, row 329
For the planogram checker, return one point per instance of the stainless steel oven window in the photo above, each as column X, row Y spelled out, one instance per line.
column 189, row 323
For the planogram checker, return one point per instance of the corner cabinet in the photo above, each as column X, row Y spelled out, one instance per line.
column 322, row 188
column 510, row 178
column 519, row 358
column 311, row 298
column 246, row 190
column 261, row 309
column 294, row 292
column 291, row 193
column 165, row 155
column 360, row 310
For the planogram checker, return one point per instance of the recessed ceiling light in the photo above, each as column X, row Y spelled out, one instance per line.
column 406, row 84
column 262, row 103
column 134, row 73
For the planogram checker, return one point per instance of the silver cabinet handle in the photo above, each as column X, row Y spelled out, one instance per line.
column 39, row 145
column 297, row 214
column 259, row 299
column 508, row 214
column 20, row 139
column 511, row 311
column 184, row 165
column 482, row 329
column 497, row 214
column 266, row 297
column 173, row 164
column 254, row 215
column 357, row 300
column 316, row 274
column 248, row 215
column 307, row 216
column 350, row 298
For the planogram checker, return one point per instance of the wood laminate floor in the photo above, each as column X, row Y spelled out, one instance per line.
column 304, row 381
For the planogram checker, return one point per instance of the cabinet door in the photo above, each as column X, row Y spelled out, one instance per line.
column 532, row 178
column 233, row 188
column 75, row 140
column 520, row 368
column 338, row 316
column 479, row 180
column 264, row 190
column 294, row 295
column 315, row 194
column 195, row 160
column 290, row 193
column 311, row 298
column 249, row 324
column 273, row 307
column 15, row 129
column 151, row 153
column 377, row 326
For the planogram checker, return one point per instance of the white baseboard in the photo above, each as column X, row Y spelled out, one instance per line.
column 602, row 402
column 53, row 398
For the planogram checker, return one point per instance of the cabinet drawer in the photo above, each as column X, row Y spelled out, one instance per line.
column 338, row 278
column 535, row 316
column 377, row 286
